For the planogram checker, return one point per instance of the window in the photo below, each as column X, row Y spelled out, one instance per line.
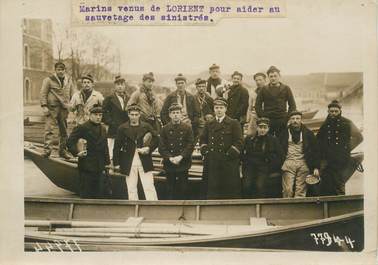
column 26, row 55
column 27, row 91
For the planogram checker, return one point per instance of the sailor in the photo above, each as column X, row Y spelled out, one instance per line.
column 132, row 153
column 114, row 107
column 190, row 107
column 176, row 147
column 148, row 102
column 221, row 143
column 302, row 156
column 55, row 96
column 82, row 101
column 216, row 85
column 272, row 102
column 337, row 137
column 262, row 158
column 206, row 104
column 237, row 99
column 93, row 159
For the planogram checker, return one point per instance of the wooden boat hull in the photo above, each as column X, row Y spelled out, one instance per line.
column 307, row 115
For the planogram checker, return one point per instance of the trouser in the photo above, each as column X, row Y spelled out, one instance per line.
column 293, row 178
column 277, row 126
column 91, row 184
column 147, row 180
column 56, row 116
column 111, row 147
column 254, row 183
column 333, row 179
column 177, row 185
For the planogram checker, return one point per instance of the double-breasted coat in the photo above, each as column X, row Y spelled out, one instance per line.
column 114, row 115
column 176, row 139
column 125, row 146
column 221, row 143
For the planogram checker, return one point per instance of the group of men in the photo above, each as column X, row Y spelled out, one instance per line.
column 274, row 160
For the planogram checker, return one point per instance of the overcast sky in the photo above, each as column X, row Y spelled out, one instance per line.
column 314, row 37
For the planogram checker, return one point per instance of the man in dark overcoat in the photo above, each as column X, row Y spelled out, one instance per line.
column 221, row 143
column 114, row 107
column 337, row 137
column 190, row 107
column 132, row 153
column 262, row 158
column 206, row 104
column 94, row 158
column 176, row 147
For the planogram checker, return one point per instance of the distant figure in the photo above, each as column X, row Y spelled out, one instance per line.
column 216, row 86
column 272, row 101
column 262, row 158
column 302, row 156
column 115, row 113
column 221, row 144
column 237, row 99
column 176, row 147
column 260, row 80
column 94, row 158
column 337, row 137
column 55, row 96
column 82, row 101
column 206, row 104
column 190, row 108
column 148, row 102
column 133, row 147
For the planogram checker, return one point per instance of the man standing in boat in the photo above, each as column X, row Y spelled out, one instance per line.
column 55, row 96
column 114, row 107
column 302, row 156
column 262, row 158
column 337, row 137
column 216, row 85
column 82, row 101
column 272, row 102
column 95, row 157
column 221, row 143
column 146, row 99
column 133, row 147
column 176, row 147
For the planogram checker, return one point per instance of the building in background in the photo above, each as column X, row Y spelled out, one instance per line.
column 37, row 56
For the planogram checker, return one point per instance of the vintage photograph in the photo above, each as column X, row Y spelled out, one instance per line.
column 243, row 135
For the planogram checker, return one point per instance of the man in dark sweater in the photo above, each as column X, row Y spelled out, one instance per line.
column 272, row 102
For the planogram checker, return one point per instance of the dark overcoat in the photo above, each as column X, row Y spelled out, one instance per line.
column 176, row 140
column 125, row 145
column 238, row 100
column 114, row 115
column 221, row 143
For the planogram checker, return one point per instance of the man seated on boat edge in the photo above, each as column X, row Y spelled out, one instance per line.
column 92, row 161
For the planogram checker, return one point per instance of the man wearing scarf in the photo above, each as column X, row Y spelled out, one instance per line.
column 302, row 156
column 337, row 137
column 147, row 101
column 216, row 86
column 206, row 104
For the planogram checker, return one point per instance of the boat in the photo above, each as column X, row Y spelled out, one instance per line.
column 65, row 175
column 309, row 114
column 334, row 223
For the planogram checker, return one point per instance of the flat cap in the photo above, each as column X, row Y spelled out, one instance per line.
column 334, row 104
column 87, row 76
column 220, row 101
column 214, row 66
column 263, row 120
column 118, row 79
column 175, row 106
column 60, row 64
column 180, row 77
column 295, row 112
column 259, row 74
column 200, row 81
column 237, row 73
column 96, row 109
column 272, row 69
column 149, row 76
column 133, row 107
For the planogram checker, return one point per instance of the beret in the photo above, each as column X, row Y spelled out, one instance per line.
column 149, row 76
column 200, row 81
column 334, row 103
column 180, row 77
column 220, row 101
column 214, row 66
column 88, row 76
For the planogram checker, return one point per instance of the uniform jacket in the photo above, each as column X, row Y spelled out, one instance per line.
column 192, row 106
column 176, row 140
column 114, row 115
column 124, row 147
column 237, row 100
column 310, row 147
column 81, row 109
column 97, row 147
column 53, row 93
column 337, row 137
column 275, row 106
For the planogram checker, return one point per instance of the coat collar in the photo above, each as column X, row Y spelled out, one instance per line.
column 116, row 102
column 140, row 134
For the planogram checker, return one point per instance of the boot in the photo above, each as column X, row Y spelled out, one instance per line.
column 64, row 154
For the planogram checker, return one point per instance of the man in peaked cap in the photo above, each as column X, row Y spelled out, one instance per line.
column 275, row 101
column 115, row 113
column 176, row 147
column 55, row 95
column 237, row 99
column 216, row 85
column 221, row 144
column 148, row 102
column 190, row 107
column 82, row 101
column 95, row 158
column 132, row 153
column 302, row 156
column 337, row 137
column 262, row 158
